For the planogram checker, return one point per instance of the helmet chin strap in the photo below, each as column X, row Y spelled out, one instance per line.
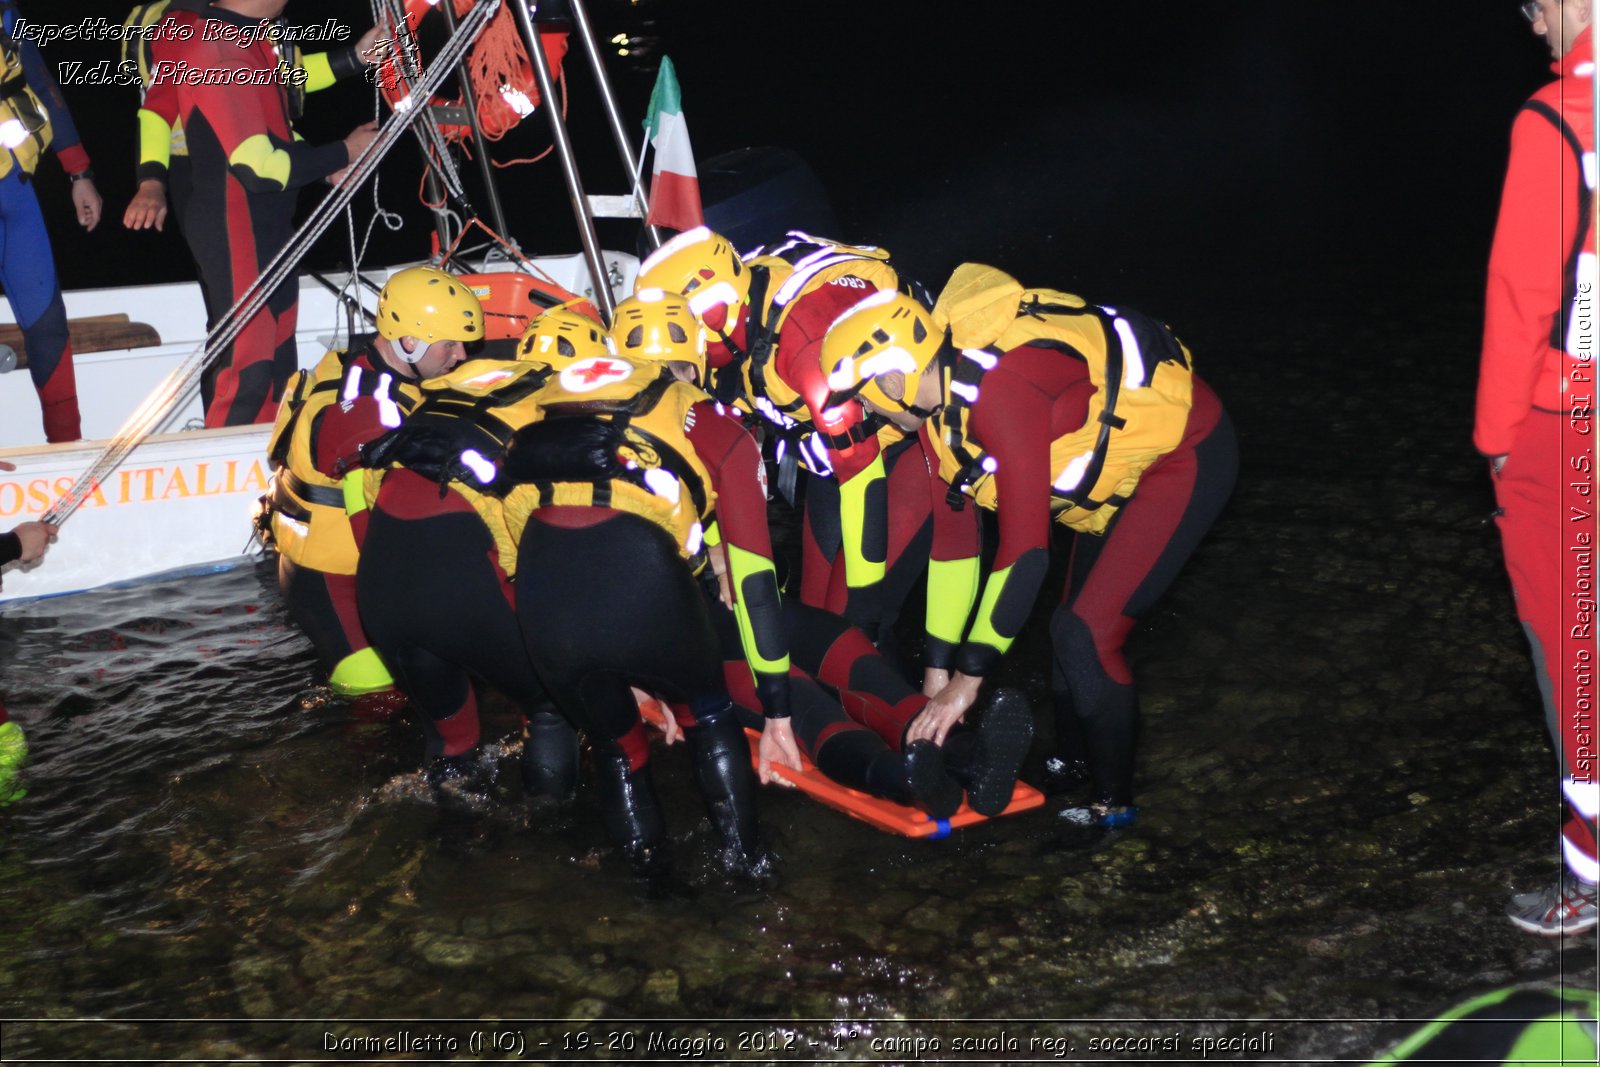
column 739, row 354
column 404, row 354
column 942, row 361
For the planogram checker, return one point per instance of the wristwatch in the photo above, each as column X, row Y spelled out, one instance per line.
column 84, row 175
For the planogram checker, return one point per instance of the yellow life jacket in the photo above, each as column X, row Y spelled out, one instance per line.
column 1142, row 374
column 799, row 265
column 458, row 432
column 309, row 523
column 25, row 129
column 614, row 435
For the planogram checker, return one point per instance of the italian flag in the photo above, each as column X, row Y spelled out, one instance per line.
column 674, row 184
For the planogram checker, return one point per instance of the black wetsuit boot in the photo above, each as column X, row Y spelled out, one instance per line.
column 549, row 760
column 632, row 815
column 1098, row 747
column 721, row 758
column 986, row 757
column 1068, row 770
column 859, row 759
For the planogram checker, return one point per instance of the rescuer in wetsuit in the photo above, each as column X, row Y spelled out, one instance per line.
column 851, row 708
column 305, row 514
column 247, row 168
column 613, row 493
column 1045, row 405
column 867, row 524
column 164, row 169
column 33, row 117
column 432, row 593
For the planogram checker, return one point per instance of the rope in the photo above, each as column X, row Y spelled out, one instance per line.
column 500, row 71
column 184, row 379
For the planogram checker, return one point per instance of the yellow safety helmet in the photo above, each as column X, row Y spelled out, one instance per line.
column 705, row 268
column 655, row 326
column 428, row 304
column 560, row 337
column 888, row 331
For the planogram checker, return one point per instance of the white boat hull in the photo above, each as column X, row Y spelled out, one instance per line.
column 184, row 497
column 180, row 499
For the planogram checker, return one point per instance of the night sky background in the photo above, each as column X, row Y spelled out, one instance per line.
column 1165, row 154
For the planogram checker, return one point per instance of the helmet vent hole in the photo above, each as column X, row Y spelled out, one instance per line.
column 919, row 332
column 676, row 333
column 635, row 337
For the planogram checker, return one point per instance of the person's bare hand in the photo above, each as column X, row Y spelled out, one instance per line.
column 668, row 722
column 148, row 208
column 934, row 679
column 86, row 203
column 360, row 138
column 367, row 49
column 777, row 746
column 948, row 707
column 719, row 566
column 36, row 538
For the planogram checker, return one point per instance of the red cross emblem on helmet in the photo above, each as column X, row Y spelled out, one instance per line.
column 590, row 374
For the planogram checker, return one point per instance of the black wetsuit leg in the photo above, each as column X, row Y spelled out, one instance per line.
column 1114, row 580
column 434, row 605
column 845, row 750
column 323, row 606
column 606, row 602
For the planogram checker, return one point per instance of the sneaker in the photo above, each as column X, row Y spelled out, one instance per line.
column 1563, row 909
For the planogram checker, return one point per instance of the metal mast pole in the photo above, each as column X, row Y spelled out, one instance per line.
column 580, row 202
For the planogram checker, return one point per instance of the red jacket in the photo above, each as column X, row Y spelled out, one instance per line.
column 1543, row 251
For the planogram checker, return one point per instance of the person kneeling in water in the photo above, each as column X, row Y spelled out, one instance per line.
column 610, row 496
column 432, row 581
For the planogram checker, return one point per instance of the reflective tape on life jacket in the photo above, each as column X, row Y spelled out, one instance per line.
column 458, row 431
column 1143, row 381
column 25, row 130
column 799, row 265
column 309, row 520
column 650, row 468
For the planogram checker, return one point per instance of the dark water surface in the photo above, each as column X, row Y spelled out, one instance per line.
column 1344, row 775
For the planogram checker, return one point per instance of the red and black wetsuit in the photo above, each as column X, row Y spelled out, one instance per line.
column 885, row 511
column 607, row 602
column 433, row 596
column 322, row 602
column 247, row 169
column 659, row 635
column 1033, row 396
column 163, row 154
